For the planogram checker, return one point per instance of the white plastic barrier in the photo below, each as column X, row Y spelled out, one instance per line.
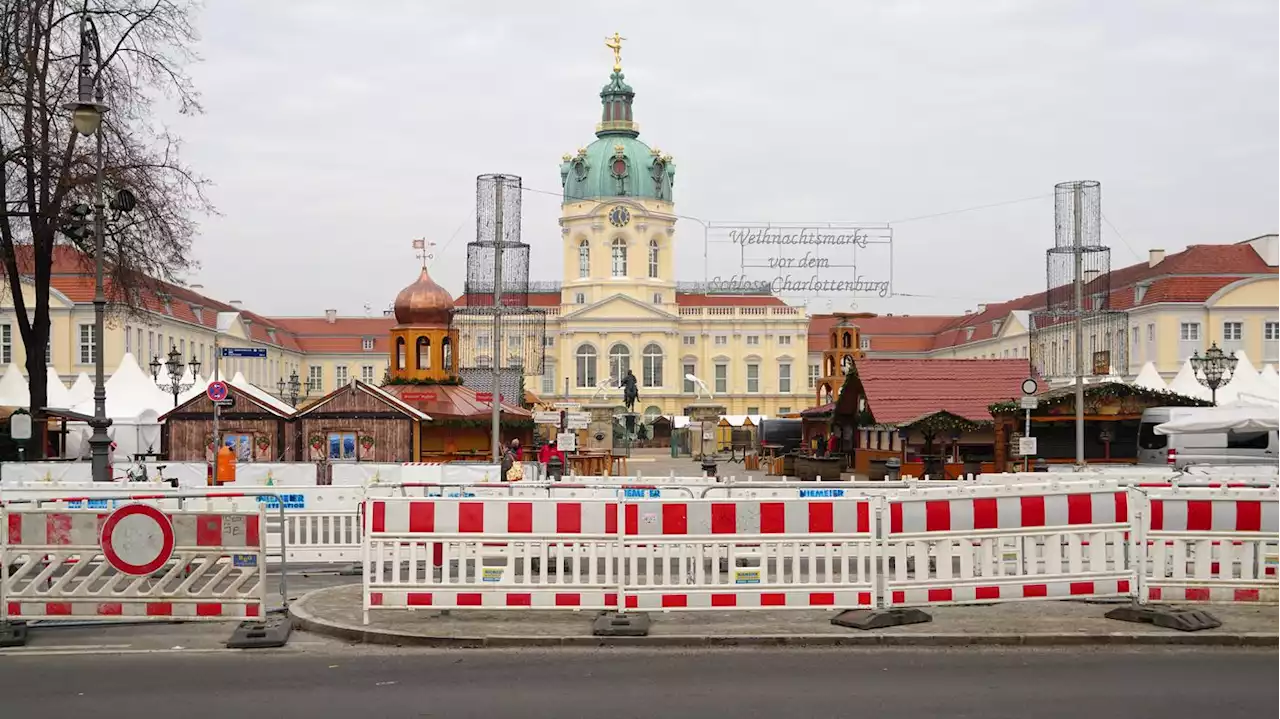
column 359, row 474
column 272, row 474
column 1210, row 545
column 137, row 563
column 998, row 544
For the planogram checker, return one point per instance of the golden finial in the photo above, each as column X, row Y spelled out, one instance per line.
column 566, row 157
column 615, row 43
column 666, row 159
column 582, row 152
column 619, row 149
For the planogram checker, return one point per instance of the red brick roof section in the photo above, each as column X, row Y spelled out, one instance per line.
column 344, row 335
column 900, row 391
column 888, row 333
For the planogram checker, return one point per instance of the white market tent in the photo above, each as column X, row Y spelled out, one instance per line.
column 240, row 383
column 133, row 404
column 56, row 394
column 1269, row 378
column 1244, row 381
column 81, row 390
column 1186, row 384
column 1149, row 378
column 13, row 388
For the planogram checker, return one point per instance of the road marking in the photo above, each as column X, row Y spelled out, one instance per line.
column 58, row 652
column 67, row 647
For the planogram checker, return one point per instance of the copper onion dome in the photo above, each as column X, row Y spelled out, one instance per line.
column 423, row 303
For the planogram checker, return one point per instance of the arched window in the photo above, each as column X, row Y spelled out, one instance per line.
column 619, row 361
column 652, row 365
column 446, row 351
column 619, row 257
column 400, row 352
column 848, row 340
column 652, row 411
column 584, row 258
column 586, row 357
column 423, row 351
column 653, row 258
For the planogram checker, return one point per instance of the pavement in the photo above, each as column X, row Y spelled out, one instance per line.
column 888, row 683
column 336, row 612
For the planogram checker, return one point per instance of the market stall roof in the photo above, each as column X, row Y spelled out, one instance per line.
column 130, row 392
column 375, row 392
column 450, row 401
column 1118, row 390
column 819, row 411
column 901, row 391
column 250, row 393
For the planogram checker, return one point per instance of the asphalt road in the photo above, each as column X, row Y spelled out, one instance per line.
column 356, row 682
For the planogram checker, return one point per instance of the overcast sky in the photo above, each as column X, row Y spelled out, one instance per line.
column 337, row 131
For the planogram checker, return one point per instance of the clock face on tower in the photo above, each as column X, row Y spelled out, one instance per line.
column 619, row 216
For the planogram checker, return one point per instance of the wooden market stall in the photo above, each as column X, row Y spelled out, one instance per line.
column 1113, row 412
column 359, row 423
column 931, row 414
column 257, row 426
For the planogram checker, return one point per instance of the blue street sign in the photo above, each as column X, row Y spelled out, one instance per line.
column 244, row 351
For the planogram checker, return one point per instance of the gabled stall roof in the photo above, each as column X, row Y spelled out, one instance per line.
column 902, row 391
column 240, row 392
column 375, row 392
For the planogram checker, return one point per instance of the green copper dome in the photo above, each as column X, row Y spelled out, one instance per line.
column 617, row 164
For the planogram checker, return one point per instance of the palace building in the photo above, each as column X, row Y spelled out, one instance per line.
column 619, row 307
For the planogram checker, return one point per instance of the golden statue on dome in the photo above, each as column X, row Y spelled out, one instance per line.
column 615, row 43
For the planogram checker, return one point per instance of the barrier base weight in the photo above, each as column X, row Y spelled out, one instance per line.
column 13, row 634
column 268, row 633
column 1184, row 620
column 880, row 618
column 351, row 570
column 616, row 624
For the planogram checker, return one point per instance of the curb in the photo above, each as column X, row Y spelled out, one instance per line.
column 309, row 622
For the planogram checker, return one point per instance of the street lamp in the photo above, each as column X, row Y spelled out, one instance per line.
column 86, row 118
column 174, row 386
column 291, row 389
column 1214, row 369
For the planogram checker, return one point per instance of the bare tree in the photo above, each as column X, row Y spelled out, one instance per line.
column 46, row 169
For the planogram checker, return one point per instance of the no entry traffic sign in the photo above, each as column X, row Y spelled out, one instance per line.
column 217, row 391
column 137, row 539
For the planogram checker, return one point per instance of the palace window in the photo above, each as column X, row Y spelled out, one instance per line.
column 722, row 378
column 1232, row 331
column 688, row 340
column 1190, row 331
column 548, row 378
column 652, row 365
column 88, row 345
column 341, row 375
column 586, row 359
column 784, row 377
column 815, row 371
column 619, row 361
column 689, row 369
column 584, row 260
column 653, row 258
column 315, row 378
column 619, row 257
column 753, row 340
column 753, row 378
column 366, row 374
column 6, row 344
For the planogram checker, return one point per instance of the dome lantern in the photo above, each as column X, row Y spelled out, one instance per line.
column 424, row 303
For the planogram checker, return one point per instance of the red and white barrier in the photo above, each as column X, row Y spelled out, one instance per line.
column 135, row 562
column 438, row 552
column 1210, row 545
column 996, row 545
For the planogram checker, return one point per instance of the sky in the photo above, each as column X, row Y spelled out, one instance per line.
column 336, row 132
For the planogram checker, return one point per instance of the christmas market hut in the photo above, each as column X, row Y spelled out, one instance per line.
column 359, row 423
column 257, row 426
column 931, row 414
column 1112, row 415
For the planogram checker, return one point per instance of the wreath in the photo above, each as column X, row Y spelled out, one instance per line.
column 366, row 441
column 208, row 441
column 316, row 441
column 263, row 442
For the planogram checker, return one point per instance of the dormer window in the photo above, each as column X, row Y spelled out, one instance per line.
column 367, row 344
column 1140, row 292
column 968, row 333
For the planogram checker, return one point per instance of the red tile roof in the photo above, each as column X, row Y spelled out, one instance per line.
column 888, row 333
column 452, row 401
column 1185, row 289
column 900, row 391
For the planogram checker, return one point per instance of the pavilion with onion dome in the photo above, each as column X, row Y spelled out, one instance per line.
column 424, row 374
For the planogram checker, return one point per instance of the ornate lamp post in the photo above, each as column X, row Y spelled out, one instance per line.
column 174, row 386
column 291, row 389
column 86, row 118
column 1214, row 369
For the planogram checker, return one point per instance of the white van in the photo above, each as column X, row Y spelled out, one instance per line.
column 1181, row 450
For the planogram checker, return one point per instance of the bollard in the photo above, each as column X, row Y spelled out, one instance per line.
column 892, row 469
column 708, row 467
column 555, row 468
column 1041, row 465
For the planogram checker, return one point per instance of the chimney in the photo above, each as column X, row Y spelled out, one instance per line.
column 235, row 303
column 1154, row 257
column 982, row 308
column 331, row 316
column 388, row 313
